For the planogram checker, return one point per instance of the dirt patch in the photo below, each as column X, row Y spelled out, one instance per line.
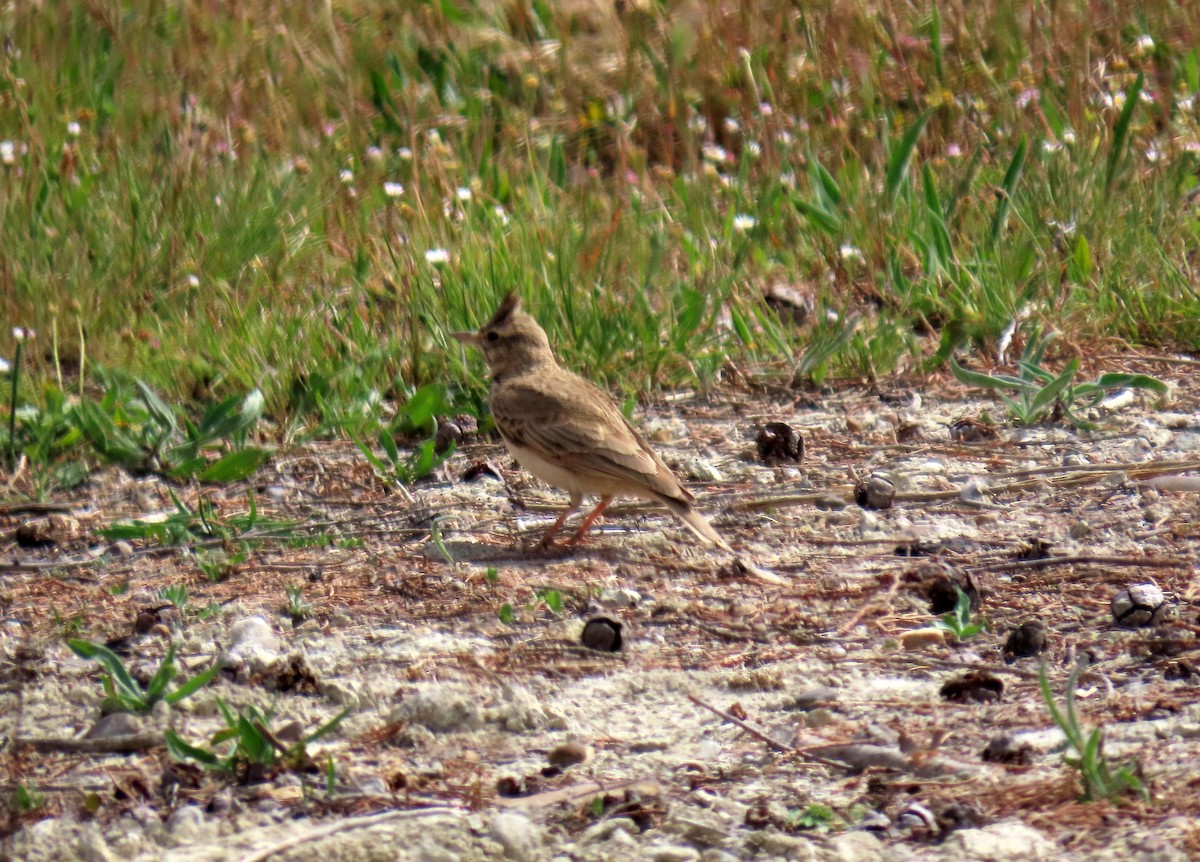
column 794, row 701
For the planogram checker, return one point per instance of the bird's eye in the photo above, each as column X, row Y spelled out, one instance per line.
column 493, row 336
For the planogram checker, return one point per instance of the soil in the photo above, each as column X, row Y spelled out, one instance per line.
column 794, row 700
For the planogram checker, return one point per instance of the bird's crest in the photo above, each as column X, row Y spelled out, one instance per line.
column 508, row 305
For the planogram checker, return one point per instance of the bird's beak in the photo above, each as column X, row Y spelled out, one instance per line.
column 471, row 338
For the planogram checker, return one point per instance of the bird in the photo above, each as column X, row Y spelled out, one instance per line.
column 568, row 432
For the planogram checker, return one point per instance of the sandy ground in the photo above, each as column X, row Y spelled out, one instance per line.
column 789, row 701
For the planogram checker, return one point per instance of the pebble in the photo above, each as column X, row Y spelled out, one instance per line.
column 1000, row 842
column 620, row 598
column 251, row 641
column 605, row 829
column 517, row 834
column 858, row 846
column 113, row 725
column 672, row 853
column 698, row 826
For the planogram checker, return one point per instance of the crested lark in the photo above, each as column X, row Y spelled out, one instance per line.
column 566, row 431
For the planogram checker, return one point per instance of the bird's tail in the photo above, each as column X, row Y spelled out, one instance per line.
column 695, row 522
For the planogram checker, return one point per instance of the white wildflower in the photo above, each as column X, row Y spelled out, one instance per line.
column 1144, row 45
column 393, row 190
column 714, row 153
column 8, row 152
column 346, row 176
column 850, row 252
column 73, row 129
column 193, row 280
column 462, row 193
column 437, row 256
column 743, row 222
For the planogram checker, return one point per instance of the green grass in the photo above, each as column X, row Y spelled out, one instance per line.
column 220, row 223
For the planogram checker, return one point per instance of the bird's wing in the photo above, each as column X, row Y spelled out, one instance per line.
column 571, row 423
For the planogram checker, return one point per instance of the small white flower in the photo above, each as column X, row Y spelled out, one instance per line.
column 1143, row 45
column 714, row 153
column 1153, row 153
column 374, row 154
column 193, row 280
column 1068, row 136
column 463, row 193
column 743, row 222
column 1049, row 146
column 346, row 176
column 1186, row 103
column 731, row 125
column 437, row 256
column 405, row 154
column 849, row 252
column 753, row 149
column 500, row 214
column 393, row 190
column 217, row 200
column 20, row 333
column 7, row 152
column 73, row 129
column 4, row 366
column 765, row 109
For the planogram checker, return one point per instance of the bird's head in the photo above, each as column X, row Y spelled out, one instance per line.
column 511, row 341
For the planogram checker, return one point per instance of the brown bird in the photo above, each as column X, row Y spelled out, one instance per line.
column 568, row 432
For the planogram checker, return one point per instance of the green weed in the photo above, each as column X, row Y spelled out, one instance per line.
column 253, row 752
column 123, row 693
column 1100, row 779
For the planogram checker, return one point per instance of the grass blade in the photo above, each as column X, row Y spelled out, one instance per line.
column 900, row 157
column 1120, row 139
column 1012, row 177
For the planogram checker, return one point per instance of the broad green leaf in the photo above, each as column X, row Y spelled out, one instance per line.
column 184, row 751
column 110, row 661
column 234, row 466
column 1120, row 380
column 193, row 685
column 985, row 381
column 1050, row 392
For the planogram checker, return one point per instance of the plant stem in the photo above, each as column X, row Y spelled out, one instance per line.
column 12, row 408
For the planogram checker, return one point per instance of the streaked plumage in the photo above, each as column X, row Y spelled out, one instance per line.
column 566, row 431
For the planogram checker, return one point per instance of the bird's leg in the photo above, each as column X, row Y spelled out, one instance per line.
column 590, row 519
column 553, row 529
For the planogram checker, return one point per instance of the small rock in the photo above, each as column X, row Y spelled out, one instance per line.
column 973, row 687
column 113, row 725
column 923, row 638
column 517, row 834
column 1079, row 530
column 1005, row 749
column 1139, row 605
column 857, row 846
column 1000, row 842
column 875, row 492
column 1025, row 641
column 672, row 853
column 602, row 634
column 605, row 829
column 794, row 848
column 701, row 470
column 569, row 754
column 830, row 502
column 449, row 435
column 251, row 642
column 620, row 598
column 121, row 548
column 778, row 442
